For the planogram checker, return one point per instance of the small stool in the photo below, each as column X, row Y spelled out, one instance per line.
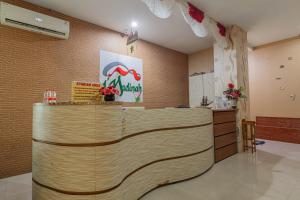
column 248, row 130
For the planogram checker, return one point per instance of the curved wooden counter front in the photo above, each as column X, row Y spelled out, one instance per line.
column 88, row 152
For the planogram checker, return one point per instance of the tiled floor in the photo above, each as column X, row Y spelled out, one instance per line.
column 16, row 188
column 273, row 174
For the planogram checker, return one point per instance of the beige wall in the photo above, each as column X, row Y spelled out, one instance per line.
column 202, row 61
column 30, row 63
column 264, row 67
column 266, row 98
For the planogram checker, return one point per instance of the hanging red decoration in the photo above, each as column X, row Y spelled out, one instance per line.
column 195, row 13
column 199, row 21
column 222, row 29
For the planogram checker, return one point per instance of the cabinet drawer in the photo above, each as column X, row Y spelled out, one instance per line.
column 225, row 152
column 221, row 117
column 225, row 140
column 221, row 129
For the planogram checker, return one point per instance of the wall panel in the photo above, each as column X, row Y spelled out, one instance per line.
column 31, row 63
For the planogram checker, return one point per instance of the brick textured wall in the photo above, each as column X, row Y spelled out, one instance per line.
column 31, row 63
column 278, row 129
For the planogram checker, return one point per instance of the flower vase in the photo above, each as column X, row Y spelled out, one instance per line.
column 110, row 97
column 232, row 103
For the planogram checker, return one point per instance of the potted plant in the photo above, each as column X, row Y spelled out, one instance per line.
column 109, row 93
column 232, row 94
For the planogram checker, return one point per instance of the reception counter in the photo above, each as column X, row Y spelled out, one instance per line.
column 105, row 152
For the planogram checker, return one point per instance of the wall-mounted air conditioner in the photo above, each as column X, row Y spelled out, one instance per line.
column 32, row 21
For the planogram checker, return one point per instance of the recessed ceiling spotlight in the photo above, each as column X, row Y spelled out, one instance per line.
column 134, row 24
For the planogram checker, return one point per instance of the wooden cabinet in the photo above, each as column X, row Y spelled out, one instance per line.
column 225, row 134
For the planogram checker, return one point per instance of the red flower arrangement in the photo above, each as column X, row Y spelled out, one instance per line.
column 232, row 93
column 111, row 90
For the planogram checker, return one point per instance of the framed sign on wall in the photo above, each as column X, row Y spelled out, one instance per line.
column 124, row 73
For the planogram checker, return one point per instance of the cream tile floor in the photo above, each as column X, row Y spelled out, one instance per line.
column 16, row 188
column 272, row 174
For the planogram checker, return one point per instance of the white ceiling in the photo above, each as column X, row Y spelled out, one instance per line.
column 265, row 20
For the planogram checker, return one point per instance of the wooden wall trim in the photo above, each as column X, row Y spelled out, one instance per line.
column 278, row 129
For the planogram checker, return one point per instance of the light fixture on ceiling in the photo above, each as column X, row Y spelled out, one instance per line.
column 134, row 24
column 133, row 36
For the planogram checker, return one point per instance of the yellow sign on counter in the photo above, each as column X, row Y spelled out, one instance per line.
column 85, row 91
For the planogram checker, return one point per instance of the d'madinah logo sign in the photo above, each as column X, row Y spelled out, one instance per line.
column 123, row 72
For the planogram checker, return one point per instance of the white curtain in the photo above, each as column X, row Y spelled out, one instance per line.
column 198, row 28
column 222, row 41
column 160, row 8
column 164, row 8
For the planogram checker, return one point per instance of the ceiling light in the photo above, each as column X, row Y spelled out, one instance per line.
column 134, row 24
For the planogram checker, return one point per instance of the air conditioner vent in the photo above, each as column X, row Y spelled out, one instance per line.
column 33, row 27
column 22, row 18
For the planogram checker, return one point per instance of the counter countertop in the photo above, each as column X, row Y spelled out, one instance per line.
column 224, row 110
column 66, row 103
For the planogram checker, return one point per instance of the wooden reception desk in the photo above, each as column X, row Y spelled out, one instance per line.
column 102, row 152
